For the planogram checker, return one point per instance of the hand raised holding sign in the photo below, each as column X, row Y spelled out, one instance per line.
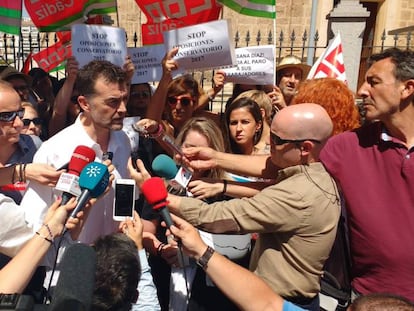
column 168, row 63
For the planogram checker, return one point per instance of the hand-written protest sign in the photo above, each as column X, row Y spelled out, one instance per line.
column 147, row 62
column 255, row 65
column 95, row 42
column 202, row 46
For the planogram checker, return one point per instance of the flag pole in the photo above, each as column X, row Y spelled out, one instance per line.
column 117, row 14
column 274, row 46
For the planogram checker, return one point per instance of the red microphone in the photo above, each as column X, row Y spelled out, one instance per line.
column 68, row 182
column 156, row 194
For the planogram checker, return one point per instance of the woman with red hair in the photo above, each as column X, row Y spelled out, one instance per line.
column 337, row 99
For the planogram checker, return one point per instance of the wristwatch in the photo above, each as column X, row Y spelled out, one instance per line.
column 203, row 260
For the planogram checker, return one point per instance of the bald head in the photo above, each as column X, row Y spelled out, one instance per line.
column 303, row 121
column 8, row 96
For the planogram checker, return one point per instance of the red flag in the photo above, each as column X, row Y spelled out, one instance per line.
column 52, row 15
column 51, row 57
column 330, row 63
column 166, row 15
column 27, row 63
column 64, row 36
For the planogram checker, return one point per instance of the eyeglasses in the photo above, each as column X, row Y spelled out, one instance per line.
column 280, row 141
column 184, row 100
column 74, row 99
column 9, row 116
column 36, row 121
column 143, row 94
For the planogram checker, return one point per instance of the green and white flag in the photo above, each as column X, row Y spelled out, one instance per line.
column 10, row 16
column 257, row 8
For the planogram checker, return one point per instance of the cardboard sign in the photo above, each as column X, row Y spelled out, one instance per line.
column 147, row 62
column 255, row 65
column 96, row 42
column 202, row 46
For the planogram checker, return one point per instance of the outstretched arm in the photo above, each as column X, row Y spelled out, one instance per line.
column 18, row 272
column 60, row 107
column 203, row 158
column 156, row 107
column 243, row 287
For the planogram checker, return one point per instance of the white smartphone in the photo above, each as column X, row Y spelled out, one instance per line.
column 124, row 201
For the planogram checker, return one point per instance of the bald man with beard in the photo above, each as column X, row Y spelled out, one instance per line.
column 296, row 218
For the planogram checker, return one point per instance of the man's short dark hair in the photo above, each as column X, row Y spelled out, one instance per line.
column 402, row 59
column 88, row 74
column 117, row 273
column 382, row 302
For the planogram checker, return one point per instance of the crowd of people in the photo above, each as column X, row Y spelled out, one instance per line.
column 252, row 229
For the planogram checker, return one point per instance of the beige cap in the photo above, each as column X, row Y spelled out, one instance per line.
column 291, row 61
column 10, row 72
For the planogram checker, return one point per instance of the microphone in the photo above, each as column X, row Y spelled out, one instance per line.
column 93, row 181
column 178, row 178
column 156, row 194
column 76, row 283
column 69, row 182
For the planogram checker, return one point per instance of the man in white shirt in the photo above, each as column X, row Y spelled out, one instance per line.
column 103, row 96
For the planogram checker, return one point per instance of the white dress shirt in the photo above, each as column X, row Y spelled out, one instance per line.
column 57, row 151
column 14, row 231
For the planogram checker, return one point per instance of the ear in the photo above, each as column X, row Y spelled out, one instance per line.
column 258, row 126
column 306, row 147
column 83, row 103
column 408, row 89
column 263, row 113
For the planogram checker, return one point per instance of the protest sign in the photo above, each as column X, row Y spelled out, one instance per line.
column 96, row 42
column 255, row 65
column 203, row 46
column 147, row 62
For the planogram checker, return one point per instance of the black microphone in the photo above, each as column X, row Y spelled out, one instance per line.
column 76, row 283
column 156, row 194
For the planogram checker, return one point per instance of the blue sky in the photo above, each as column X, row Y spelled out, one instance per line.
column 24, row 11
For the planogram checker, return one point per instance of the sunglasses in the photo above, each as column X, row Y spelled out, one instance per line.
column 280, row 141
column 143, row 94
column 10, row 116
column 36, row 121
column 183, row 100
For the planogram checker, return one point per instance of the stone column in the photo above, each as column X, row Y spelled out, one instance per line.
column 349, row 18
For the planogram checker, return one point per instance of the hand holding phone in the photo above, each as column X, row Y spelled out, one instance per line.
column 124, row 202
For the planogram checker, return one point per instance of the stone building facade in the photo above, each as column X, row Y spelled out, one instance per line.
column 295, row 15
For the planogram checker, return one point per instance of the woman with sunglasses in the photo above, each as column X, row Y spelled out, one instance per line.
column 32, row 124
column 176, row 100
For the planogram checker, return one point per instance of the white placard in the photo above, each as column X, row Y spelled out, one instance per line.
column 96, row 42
column 147, row 62
column 255, row 65
column 202, row 46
